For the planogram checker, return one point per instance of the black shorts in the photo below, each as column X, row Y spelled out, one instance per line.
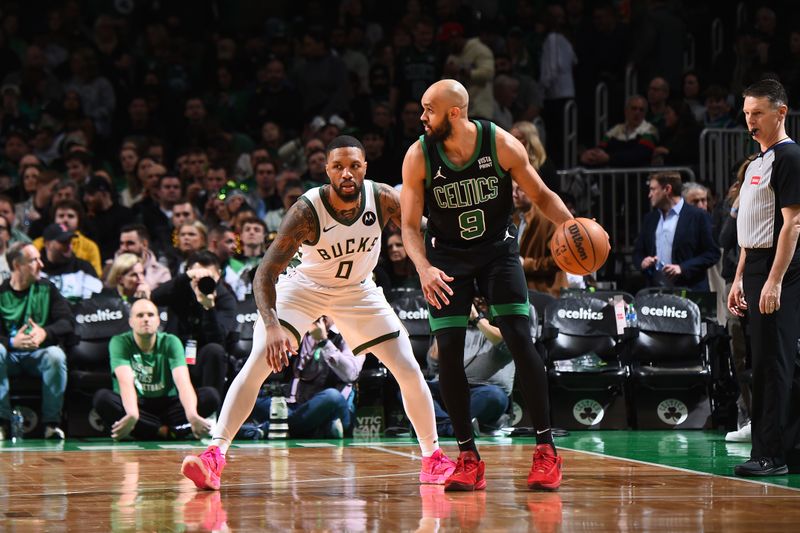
column 493, row 266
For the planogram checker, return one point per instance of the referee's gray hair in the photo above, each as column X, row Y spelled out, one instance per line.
column 770, row 89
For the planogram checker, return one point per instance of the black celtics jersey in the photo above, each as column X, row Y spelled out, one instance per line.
column 470, row 204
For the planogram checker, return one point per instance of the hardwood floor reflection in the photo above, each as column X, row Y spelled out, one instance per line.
column 363, row 488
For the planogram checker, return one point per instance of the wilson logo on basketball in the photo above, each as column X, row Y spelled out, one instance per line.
column 577, row 239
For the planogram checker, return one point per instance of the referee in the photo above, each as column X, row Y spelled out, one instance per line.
column 768, row 278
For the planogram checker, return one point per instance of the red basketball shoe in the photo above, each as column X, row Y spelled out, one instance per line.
column 546, row 470
column 468, row 474
column 204, row 469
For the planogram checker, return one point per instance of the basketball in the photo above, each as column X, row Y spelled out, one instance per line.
column 580, row 246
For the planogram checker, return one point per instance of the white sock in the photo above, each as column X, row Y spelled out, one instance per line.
column 243, row 392
column 398, row 357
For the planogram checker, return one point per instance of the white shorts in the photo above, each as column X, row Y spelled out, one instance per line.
column 360, row 312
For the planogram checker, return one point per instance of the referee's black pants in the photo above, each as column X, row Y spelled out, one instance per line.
column 776, row 367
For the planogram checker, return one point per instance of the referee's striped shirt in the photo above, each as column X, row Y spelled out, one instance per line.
column 771, row 182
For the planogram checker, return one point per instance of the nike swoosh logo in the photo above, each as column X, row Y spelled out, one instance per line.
column 326, row 230
column 466, row 441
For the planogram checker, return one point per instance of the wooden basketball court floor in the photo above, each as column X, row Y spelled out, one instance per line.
column 613, row 481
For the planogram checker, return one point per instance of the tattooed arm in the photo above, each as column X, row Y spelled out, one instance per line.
column 298, row 225
column 389, row 200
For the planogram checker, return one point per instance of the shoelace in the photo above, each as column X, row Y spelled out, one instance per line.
column 441, row 463
column 543, row 462
column 214, row 458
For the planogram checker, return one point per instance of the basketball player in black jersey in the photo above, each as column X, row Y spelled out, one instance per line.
column 461, row 169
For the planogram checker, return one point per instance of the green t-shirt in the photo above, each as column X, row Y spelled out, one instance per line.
column 152, row 372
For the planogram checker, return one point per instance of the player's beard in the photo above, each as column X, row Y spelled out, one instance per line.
column 440, row 134
column 348, row 197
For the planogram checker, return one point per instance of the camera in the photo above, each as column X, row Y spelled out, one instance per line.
column 206, row 285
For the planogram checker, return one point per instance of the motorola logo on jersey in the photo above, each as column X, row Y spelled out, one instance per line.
column 419, row 314
column 101, row 315
column 665, row 311
column 369, row 218
column 580, row 314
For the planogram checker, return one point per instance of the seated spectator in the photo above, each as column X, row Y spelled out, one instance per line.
column 7, row 210
column 74, row 277
column 153, row 397
column 135, row 190
column 69, row 213
column 239, row 274
column 108, row 217
column 205, row 314
column 321, row 395
column 678, row 144
column 490, row 369
column 264, row 196
column 629, row 144
column 222, row 243
column 534, row 235
column 315, row 174
column 126, row 278
column 5, row 237
column 192, row 237
column 34, row 320
column 691, row 95
column 657, row 96
column 38, row 184
column 718, row 109
column 156, row 215
column 133, row 239
column 675, row 247
column 395, row 268
column 291, row 192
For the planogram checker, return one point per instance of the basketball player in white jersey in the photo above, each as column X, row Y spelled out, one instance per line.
column 337, row 228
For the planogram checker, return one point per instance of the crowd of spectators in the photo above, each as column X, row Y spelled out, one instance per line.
column 141, row 154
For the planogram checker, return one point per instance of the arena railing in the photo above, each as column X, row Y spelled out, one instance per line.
column 615, row 197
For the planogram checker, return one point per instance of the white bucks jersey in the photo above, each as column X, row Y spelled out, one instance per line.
column 343, row 253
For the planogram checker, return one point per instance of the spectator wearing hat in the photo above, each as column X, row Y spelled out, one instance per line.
column 34, row 320
column 107, row 215
column 472, row 63
column 74, row 277
column 69, row 213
